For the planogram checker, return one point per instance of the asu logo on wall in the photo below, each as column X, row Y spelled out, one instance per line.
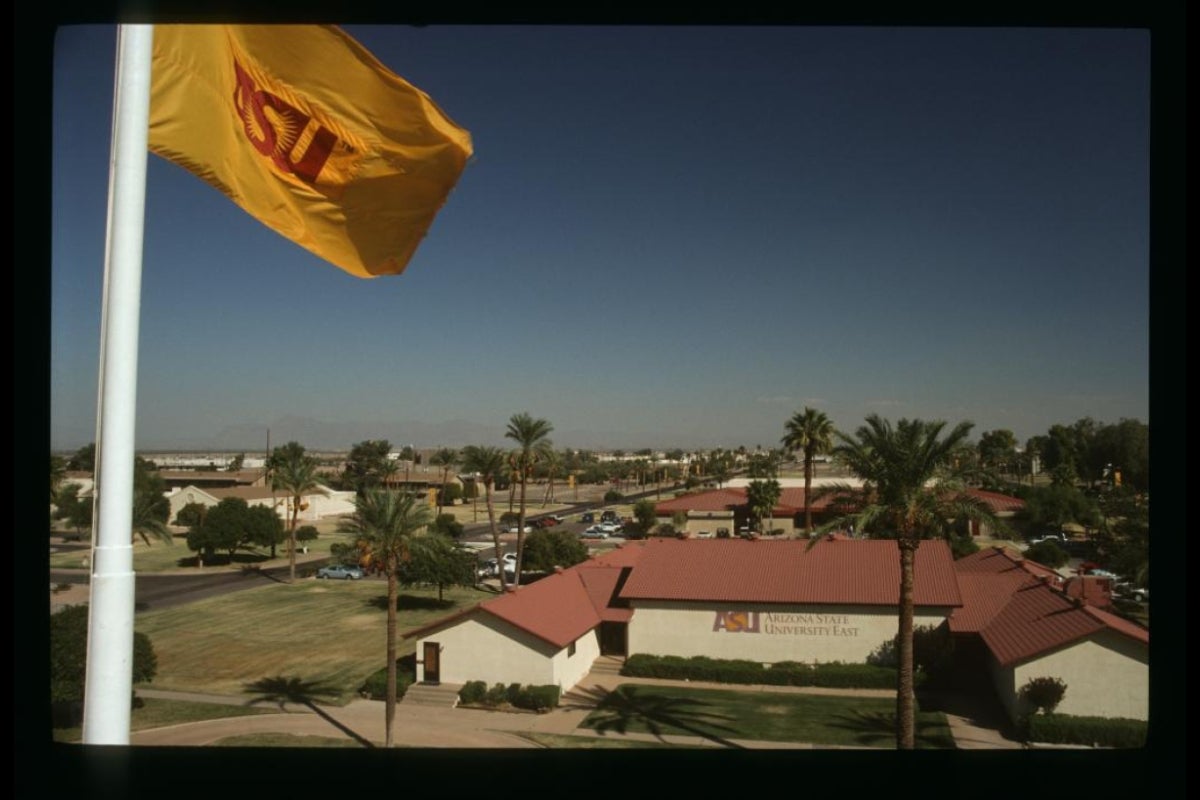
column 736, row 622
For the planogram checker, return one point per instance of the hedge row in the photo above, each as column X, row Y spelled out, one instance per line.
column 1091, row 731
column 783, row 673
column 533, row 698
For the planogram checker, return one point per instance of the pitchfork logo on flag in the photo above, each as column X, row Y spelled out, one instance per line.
column 275, row 127
column 308, row 132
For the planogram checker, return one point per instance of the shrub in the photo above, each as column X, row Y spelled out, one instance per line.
column 858, row 676
column 513, row 693
column 68, row 664
column 496, row 695
column 783, row 673
column 375, row 686
column 306, row 533
column 448, row 525
column 613, row 496
column 933, row 651
column 472, row 693
column 1043, row 694
column 538, row 698
column 1047, row 553
column 451, row 494
column 1092, row 731
column 961, row 546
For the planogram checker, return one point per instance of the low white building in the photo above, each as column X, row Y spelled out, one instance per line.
column 781, row 600
column 316, row 504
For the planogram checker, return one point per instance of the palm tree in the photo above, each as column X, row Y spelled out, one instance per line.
column 384, row 522
column 295, row 473
column 488, row 463
column 810, row 432
column 532, row 437
column 910, row 491
column 444, row 458
column 762, row 496
column 148, row 519
column 58, row 473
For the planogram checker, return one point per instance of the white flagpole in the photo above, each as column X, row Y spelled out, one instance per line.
column 108, row 691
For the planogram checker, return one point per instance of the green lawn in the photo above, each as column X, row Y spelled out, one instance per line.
column 156, row 713
column 330, row 635
column 559, row 741
column 721, row 715
column 283, row 740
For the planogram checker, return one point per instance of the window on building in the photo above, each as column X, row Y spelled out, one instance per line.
column 570, row 649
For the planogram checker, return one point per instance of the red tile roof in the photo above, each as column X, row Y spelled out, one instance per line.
column 791, row 501
column 601, row 585
column 853, row 571
column 557, row 609
column 1019, row 613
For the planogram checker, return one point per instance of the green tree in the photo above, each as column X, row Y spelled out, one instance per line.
column 1049, row 508
column 228, row 526
column 84, row 459
column 58, row 473
column 811, row 434
column 488, row 464
column 68, row 663
column 645, row 516
column 1124, row 535
column 448, row 525
column 547, row 548
column 384, row 523
column 235, row 463
column 191, row 514
column 897, row 465
column 295, row 472
column 434, row 559
column 533, row 439
column 75, row 510
column 998, row 450
column 1048, row 554
column 761, row 499
column 445, row 458
column 368, row 466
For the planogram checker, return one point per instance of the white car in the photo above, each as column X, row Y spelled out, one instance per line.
column 515, row 528
column 608, row 527
column 594, row 532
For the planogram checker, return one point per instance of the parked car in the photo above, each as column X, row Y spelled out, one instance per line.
column 609, row 516
column 594, row 532
column 1057, row 538
column 588, row 517
column 515, row 528
column 340, row 572
column 1128, row 590
column 510, row 558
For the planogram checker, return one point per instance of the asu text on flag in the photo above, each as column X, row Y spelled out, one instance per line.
column 310, row 134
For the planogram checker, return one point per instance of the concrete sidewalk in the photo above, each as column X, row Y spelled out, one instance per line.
column 438, row 727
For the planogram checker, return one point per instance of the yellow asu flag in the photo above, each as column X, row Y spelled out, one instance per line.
column 307, row 132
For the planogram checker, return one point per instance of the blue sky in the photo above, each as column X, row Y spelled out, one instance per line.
column 668, row 237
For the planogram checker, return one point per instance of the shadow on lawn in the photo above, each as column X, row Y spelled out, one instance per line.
column 878, row 729
column 634, row 706
column 409, row 602
column 293, row 689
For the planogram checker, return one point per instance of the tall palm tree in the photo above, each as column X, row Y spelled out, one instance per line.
column 148, row 518
column 445, row 458
column 553, row 463
column 293, row 472
column 488, row 463
column 384, row 522
column 910, row 491
column 533, row 439
column 810, row 432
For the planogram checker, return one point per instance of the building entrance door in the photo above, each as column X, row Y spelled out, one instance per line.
column 433, row 667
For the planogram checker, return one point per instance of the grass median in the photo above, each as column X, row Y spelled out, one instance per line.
column 721, row 716
column 328, row 635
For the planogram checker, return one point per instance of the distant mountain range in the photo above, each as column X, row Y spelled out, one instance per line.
column 339, row 436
